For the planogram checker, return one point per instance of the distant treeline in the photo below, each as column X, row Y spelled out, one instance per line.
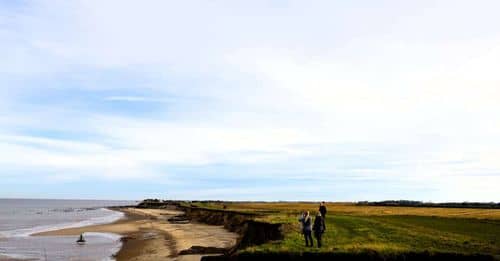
column 390, row 203
column 162, row 201
column 410, row 203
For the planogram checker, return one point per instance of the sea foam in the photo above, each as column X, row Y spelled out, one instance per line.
column 111, row 217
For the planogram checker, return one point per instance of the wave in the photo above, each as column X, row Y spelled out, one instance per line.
column 112, row 217
column 111, row 236
column 114, row 237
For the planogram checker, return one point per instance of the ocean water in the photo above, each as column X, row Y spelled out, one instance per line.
column 19, row 218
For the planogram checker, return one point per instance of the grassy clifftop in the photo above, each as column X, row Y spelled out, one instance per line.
column 385, row 230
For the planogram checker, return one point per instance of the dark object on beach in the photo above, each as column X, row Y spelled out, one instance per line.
column 81, row 240
column 126, row 238
column 197, row 250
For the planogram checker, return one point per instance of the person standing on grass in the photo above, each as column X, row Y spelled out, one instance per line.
column 322, row 209
column 306, row 222
column 319, row 228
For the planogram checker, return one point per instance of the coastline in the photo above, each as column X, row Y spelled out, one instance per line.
column 21, row 243
column 147, row 235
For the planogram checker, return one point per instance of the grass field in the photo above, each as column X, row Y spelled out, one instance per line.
column 386, row 230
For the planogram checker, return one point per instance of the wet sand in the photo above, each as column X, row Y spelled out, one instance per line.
column 147, row 235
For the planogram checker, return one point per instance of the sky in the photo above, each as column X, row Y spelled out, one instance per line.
column 250, row 100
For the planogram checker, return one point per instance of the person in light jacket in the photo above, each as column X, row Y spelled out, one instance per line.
column 319, row 228
column 306, row 222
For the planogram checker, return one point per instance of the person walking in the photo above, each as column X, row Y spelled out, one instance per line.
column 322, row 209
column 319, row 228
column 306, row 222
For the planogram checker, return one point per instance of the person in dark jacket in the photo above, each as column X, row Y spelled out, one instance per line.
column 319, row 228
column 322, row 209
column 306, row 222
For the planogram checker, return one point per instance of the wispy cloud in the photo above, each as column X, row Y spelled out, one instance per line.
column 136, row 99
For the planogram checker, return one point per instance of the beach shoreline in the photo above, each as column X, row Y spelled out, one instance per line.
column 146, row 234
column 22, row 218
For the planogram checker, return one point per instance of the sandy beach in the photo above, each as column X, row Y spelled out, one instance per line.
column 147, row 235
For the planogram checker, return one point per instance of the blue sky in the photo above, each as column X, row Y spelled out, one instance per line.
column 250, row 100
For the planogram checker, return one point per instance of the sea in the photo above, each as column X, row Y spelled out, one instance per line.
column 20, row 218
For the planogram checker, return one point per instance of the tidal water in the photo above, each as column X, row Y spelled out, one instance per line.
column 19, row 218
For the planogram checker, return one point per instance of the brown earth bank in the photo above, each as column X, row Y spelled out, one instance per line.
column 149, row 235
column 251, row 232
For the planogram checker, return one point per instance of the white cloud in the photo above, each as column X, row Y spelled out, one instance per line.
column 269, row 79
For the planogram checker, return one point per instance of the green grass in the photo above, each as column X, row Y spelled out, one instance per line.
column 360, row 229
column 396, row 234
